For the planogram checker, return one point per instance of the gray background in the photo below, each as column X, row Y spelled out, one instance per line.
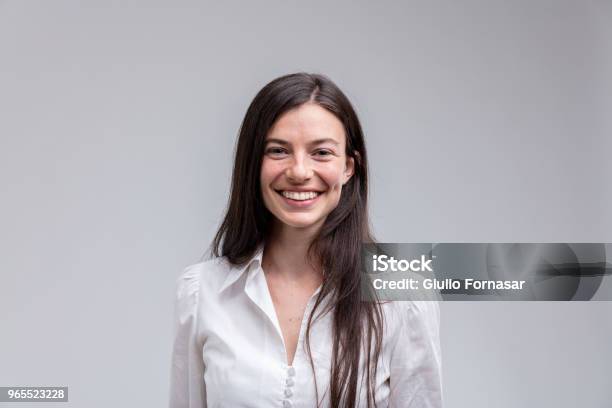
column 485, row 121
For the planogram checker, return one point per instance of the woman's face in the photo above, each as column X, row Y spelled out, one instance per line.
column 304, row 166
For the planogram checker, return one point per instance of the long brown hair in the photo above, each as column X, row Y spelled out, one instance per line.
column 357, row 324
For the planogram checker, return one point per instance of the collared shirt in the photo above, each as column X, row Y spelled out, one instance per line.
column 229, row 350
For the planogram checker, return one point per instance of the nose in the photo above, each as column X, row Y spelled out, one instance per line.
column 299, row 170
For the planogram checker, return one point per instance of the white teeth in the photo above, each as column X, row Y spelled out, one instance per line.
column 300, row 196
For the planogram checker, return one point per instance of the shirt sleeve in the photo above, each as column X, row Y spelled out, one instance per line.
column 415, row 365
column 187, row 388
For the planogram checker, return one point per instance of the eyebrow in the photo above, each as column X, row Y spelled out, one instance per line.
column 314, row 142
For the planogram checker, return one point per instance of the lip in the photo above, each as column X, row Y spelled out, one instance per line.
column 302, row 203
column 298, row 190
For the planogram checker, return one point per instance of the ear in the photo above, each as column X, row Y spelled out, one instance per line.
column 349, row 168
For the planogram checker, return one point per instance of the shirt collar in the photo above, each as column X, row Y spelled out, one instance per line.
column 236, row 272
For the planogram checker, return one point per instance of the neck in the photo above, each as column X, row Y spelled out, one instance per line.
column 286, row 254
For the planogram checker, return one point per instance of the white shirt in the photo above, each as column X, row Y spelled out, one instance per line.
column 229, row 350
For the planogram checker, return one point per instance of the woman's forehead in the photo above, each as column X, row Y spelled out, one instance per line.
column 308, row 123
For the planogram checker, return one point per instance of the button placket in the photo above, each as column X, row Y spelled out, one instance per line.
column 289, row 382
column 290, row 379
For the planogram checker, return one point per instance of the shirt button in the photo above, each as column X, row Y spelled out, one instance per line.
column 288, row 392
column 290, row 382
column 287, row 404
column 291, row 371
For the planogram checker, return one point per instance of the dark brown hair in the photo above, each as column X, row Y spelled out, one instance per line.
column 357, row 324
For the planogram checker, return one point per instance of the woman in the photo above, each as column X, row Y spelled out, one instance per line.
column 277, row 318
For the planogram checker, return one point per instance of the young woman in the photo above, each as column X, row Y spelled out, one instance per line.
column 277, row 317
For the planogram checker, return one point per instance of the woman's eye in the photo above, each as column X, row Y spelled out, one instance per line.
column 323, row 153
column 275, row 151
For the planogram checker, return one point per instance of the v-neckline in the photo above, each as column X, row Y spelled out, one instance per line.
column 258, row 290
column 279, row 331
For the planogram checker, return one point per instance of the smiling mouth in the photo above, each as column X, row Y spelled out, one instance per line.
column 299, row 195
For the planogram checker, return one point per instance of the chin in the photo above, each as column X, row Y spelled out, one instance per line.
column 300, row 225
column 299, row 222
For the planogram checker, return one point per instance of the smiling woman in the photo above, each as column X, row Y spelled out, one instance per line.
column 277, row 317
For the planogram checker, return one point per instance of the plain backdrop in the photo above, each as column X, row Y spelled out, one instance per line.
column 486, row 121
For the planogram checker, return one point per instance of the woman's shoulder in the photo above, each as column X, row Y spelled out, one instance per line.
column 204, row 275
column 406, row 314
column 415, row 321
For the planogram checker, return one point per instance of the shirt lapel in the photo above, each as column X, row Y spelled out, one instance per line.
column 257, row 290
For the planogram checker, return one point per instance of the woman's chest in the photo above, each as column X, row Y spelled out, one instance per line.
column 246, row 363
column 290, row 309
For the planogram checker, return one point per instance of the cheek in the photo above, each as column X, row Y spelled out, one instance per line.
column 268, row 173
column 333, row 177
